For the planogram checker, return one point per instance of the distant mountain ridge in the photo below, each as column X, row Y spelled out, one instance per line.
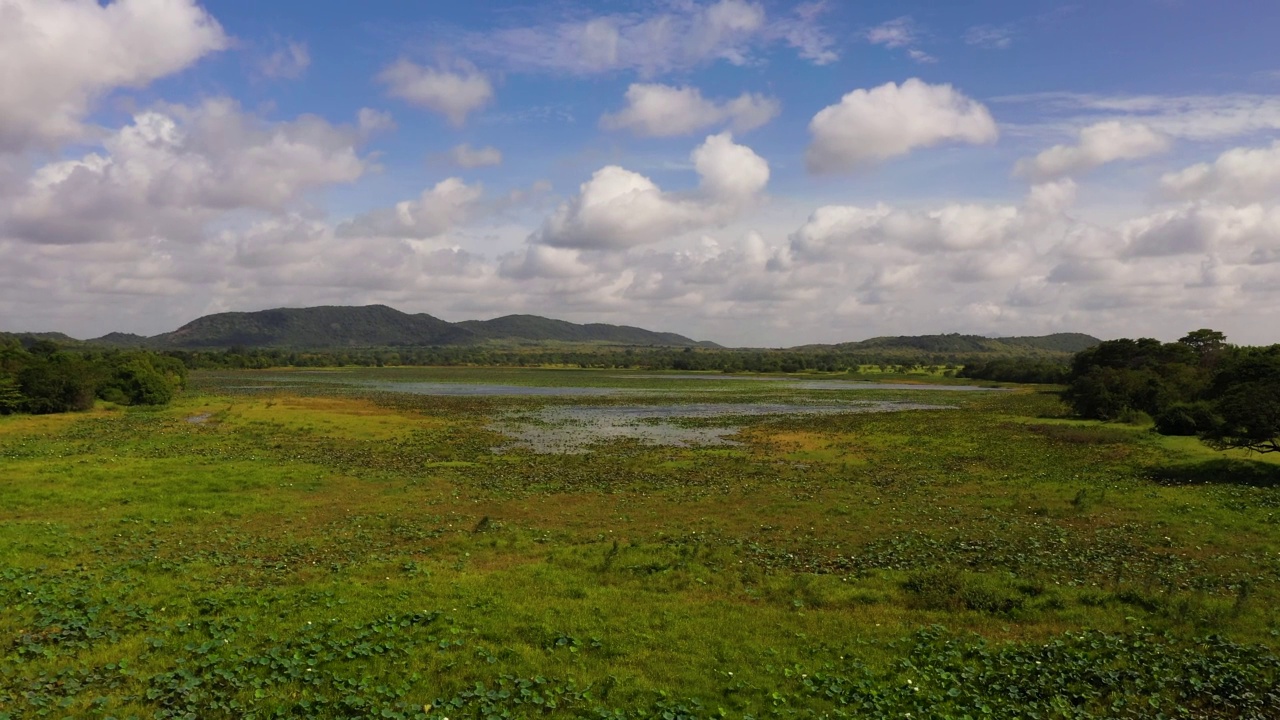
column 340, row 326
column 1057, row 343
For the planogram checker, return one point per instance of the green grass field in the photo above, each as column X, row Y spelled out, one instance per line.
column 317, row 549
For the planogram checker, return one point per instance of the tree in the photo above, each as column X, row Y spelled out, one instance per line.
column 57, row 384
column 11, row 399
column 1246, row 397
column 136, row 382
column 1204, row 341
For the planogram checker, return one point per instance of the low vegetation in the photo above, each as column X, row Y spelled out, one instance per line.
column 317, row 544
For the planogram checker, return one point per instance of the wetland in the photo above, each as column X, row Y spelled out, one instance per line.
column 476, row 543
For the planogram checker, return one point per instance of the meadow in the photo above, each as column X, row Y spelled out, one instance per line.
column 353, row 543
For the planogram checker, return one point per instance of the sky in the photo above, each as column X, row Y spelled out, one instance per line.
column 752, row 172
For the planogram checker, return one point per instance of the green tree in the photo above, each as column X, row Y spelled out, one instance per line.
column 57, row 384
column 1246, row 397
column 11, row 399
column 1204, row 341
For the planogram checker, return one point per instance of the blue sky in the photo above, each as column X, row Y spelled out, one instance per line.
column 750, row 172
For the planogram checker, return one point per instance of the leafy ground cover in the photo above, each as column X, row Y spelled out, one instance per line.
column 320, row 549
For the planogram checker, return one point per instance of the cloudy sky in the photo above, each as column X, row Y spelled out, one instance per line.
column 753, row 172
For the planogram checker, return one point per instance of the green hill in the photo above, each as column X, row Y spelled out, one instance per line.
column 533, row 328
column 955, row 344
column 27, row 338
column 314, row 327
column 379, row 326
column 120, row 340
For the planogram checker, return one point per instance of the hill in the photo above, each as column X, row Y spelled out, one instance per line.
column 533, row 328
column 326, row 326
column 27, row 338
column 120, row 340
column 956, row 344
column 370, row 326
column 379, row 326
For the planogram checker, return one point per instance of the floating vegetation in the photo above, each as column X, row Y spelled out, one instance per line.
column 577, row 428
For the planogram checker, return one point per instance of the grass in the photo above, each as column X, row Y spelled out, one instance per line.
column 326, row 550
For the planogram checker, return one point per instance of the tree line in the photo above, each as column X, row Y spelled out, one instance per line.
column 44, row 378
column 1200, row 385
column 606, row 357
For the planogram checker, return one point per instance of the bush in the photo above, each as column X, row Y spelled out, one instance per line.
column 950, row 590
column 1186, row 419
column 136, row 382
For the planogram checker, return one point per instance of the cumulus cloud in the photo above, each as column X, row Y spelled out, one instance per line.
column 850, row 231
column 1098, row 145
column 172, row 170
column 1239, row 175
column 452, row 92
column 618, row 208
column 678, row 37
column 435, row 212
column 465, row 156
column 59, row 57
column 868, row 126
column 655, row 110
column 287, row 63
column 1204, row 228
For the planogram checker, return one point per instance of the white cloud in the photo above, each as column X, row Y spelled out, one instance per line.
column 899, row 33
column 57, row 58
column 465, row 156
column 287, row 63
column 173, row 170
column 655, row 110
column 1098, row 145
column 802, row 32
column 454, row 93
column 868, row 126
column 1238, row 175
column 896, row 33
column 992, row 37
column 618, row 208
column 434, row 213
column 371, row 121
column 1192, row 117
column 1202, row 228
column 680, row 36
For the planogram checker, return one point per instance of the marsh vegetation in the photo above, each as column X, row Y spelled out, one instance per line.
column 319, row 544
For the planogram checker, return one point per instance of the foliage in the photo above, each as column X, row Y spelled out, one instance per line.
column 45, row 379
column 1199, row 385
column 1019, row 370
column 57, row 383
column 1246, row 395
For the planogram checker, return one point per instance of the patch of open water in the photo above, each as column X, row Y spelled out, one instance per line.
column 573, row 429
column 491, row 389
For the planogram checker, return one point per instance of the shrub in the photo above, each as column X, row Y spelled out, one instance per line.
column 1186, row 419
column 950, row 590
